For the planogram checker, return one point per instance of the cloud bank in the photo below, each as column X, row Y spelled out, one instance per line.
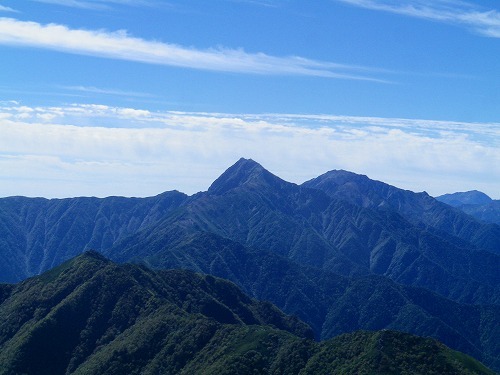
column 101, row 150
column 119, row 45
column 483, row 21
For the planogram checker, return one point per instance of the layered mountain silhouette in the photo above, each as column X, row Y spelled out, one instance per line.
column 474, row 203
column 91, row 316
column 342, row 252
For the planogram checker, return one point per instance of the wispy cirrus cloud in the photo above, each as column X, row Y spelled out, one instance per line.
column 4, row 8
column 95, row 4
column 107, row 91
column 104, row 150
column 120, row 45
column 483, row 21
column 261, row 3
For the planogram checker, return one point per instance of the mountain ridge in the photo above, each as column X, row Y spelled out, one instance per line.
column 467, row 197
column 418, row 208
column 309, row 227
column 245, row 172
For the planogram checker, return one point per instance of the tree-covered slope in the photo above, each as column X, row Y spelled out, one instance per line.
column 329, row 303
column 91, row 316
column 90, row 312
column 37, row 234
column 388, row 352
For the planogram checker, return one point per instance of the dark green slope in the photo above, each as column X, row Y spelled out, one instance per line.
column 388, row 352
column 418, row 208
column 37, row 234
column 262, row 274
column 331, row 304
column 90, row 316
column 374, row 303
column 90, row 313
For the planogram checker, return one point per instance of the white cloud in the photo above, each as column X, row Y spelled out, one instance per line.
column 101, row 150
column 120, row 45
column 133, row 113
column 483, row 21
column 46, row 116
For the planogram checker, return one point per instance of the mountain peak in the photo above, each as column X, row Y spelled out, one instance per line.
column 345, row 184
column 340, row 177
column 245, row 172
column 246, row 164
column 467, row 197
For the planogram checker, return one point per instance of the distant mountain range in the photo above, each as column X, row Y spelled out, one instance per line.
column 342, row 252
column 474, row 203
column 91, row 316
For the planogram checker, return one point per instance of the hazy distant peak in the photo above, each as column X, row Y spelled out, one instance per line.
column 351, row 186
column 466, row 197
column 339, row 177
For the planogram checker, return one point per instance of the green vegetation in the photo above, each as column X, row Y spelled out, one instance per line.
column 389, row 352
column 91, row 316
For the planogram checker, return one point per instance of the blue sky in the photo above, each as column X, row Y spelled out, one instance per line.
column 135, row 97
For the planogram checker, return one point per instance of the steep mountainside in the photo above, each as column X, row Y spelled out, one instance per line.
column 329, row 303
column 380, row 353
column 257, row 209
column 37, row 234
column 89, row 313
column 418, row 208
column 90, row 316
column 476, row 204
column 489, row 213
column 249, row 205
